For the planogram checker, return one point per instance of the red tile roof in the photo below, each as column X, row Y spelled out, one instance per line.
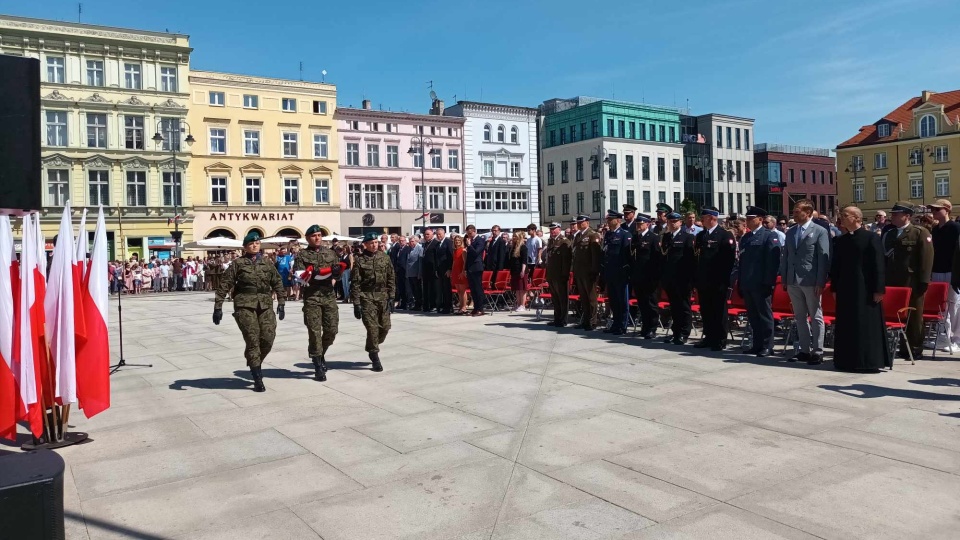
column 903, row 116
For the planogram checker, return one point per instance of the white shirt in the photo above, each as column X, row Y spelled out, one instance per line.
column 711, row 229
column 534, row 245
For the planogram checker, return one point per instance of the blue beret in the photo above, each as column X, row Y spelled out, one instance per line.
column 709, row 211
column 644, row 218
column 251, row 237
column 674, row 215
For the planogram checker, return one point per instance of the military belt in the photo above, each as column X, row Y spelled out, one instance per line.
column 247, row 290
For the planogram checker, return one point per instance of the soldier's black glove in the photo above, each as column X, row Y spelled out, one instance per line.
column 921, row 288
column 335, row 271
column 280, row 312
column 391, row 304
column 357, row 311
column 217, row 316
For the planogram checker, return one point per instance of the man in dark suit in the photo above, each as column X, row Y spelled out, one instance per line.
column 428, row 267
column 758, row 266
column 398, row 254
column 716, row 254
column 679, row 265
column 476, row 245
column 444, row 258
column 496, row 258
column 645, row 278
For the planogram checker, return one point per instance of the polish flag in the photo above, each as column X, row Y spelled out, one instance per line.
column 29, row 347
column 9, row 398
column 93, row 355
column 60, row 312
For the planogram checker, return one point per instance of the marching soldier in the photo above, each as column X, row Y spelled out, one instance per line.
column 616, row 271
column 716, row 255
column 645, row 275
column 372, row 289
column 909, row 255
column 253, row 280
column 318, row 268
column 758, row 265
column 679, row 265
column 663, row 209
column 586, row 269
column 559, row 256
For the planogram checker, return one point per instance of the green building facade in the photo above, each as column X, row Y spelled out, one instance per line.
column 572, row 120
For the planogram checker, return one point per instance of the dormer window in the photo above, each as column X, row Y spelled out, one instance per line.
column 928, row 126
column 883, row 130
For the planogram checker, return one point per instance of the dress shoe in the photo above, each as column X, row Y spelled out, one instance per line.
column 618, row 332
column 702, row 344
column 648, row 334
column 668, row 339
column 799, row 357
column 753, row 350
column 589, row 327
column 815, row 360
column 477, row 314
column 718, row 347
column 375, row 360
column 679, row 340
column 763, row 353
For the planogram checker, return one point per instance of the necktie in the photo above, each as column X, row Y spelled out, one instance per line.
column 799, row 236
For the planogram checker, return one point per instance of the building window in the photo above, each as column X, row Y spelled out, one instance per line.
column 564, row 172
column 880, row 189
column 928, row 126
column 663, row 134
column 55, row 72
column 353, row 154
column 747, row 169
column 168, row 79
column 319, row 107
column 594, row 129
column 251, row 101
column 321, row 191
column 821, row 175
column 551, row 206
column 172, row 189
column 645, row 167
column 320, row 148
column 746, row 140
column 418, row 157
column 594, row 167
column 289, row 105
column 453, row 159
column 393, row 197
column 132, row 78
column 858, row 191
column 290, row 144
column 216, row 99
column 96, row 130
column 518, row 201
column 355, row 125
column 354, row 196
column 720, row 202
column 646, row 201
column 573, row 133
column 662, row 196
column 612, row 166
column 580, row 202
column 643, row 131
column 136, row 188
column 916, row 157
column 739, row 173
column 550, row 174
column 433, row 130
column 553, row 138
column 565, row 204
column 488, row 168
column 436, row 158
column 579, row 169
column 253, row 191
column 737, row 139
column 218, row 190
column 94, row 72
column 453, row 198
column 373, row 155
column 170, row 129
column 661, row 169
column 57, row 187
column 595, row 200
column 133, row 132
column 563, row 135
column 673, row 134
column 435, row 200
column 729, row 141
column 614, row 199
column 393, row 155
column 501, row 201
column 218, row 141
column 630, row 198
column 883, row 130
column 583, row 130
column 629, row 167
column 483, row 200
column 291, row 191
column 942, row 183
column 880, row 160
column 941, row 154
column 621, row 128
column 803, row 176
column 609, row 132
column 251, row 142
column 99, row 184
column 514, row 169
column 486, row 133
column 632, row 134
column 56, row 128
column 916, row 187
column 719, row 137
column 501, row 132
column 676, row 170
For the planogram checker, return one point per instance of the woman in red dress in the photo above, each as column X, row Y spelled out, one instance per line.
column 458, row 275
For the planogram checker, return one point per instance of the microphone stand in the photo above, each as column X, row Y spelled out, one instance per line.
column 122, row 363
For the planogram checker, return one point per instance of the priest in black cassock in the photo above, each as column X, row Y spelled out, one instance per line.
column 857, row 280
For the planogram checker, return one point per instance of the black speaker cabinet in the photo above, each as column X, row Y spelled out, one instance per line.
column 31, row 495
column 20, row 187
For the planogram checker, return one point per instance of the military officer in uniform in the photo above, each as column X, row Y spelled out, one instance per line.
column 679, row 265
column 630, row 218
column 758, row 265
column 645, row 274
column 319, row 268
column 587, row 253
column 909, row 263
column 559, row 256
column 616, row 271
column 716, row 255
column 372, row 288
column 254, row 280
column 663, row 209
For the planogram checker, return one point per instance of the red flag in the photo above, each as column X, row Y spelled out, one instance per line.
column 9, row 395
column 93, row 355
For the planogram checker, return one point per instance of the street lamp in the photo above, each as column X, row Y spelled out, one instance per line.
column 855, row 166
column 702, row 164
column 173, row 132
column 917, row 158
column 600, row 156
column 418, row 144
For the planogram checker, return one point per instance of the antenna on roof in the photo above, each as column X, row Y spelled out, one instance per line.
column 614, row 91
column 323, row 75
column 79, row 11
column 301, row 70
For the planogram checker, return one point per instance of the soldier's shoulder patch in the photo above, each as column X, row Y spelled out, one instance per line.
column 731, row 241
column 929, row 238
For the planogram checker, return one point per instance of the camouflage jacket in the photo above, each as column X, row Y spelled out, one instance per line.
column 372, row 277
column 323, row 257
column 254, row 280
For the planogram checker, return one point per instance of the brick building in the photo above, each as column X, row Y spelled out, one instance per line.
column 789, row 173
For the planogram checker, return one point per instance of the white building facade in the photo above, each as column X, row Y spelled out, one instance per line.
column 731, row 143
column 500, row 164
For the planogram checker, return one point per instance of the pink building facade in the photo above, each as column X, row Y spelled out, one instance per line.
column 381, row 179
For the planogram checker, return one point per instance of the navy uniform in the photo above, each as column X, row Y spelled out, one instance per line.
column 645, row 274
column 616, row 271
column 663, row 209
column 758, row 265
column 716, row 255
column 630, row 218
column 587, row 252
column 679, row 264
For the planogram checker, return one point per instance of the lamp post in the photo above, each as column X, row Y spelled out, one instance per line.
column 728, row 173
column 173, row 133
column 855, row 166
column 417, row 145
column 702, row 164
column 598, row 157
column 919, row 151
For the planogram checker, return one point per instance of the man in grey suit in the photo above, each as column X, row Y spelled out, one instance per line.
column 804, row 268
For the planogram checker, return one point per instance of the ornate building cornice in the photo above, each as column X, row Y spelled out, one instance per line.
column 74, row 31
column 217, row 78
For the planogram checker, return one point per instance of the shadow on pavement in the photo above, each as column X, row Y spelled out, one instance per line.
column 125, row 532
column 336, row 364
column 938, row 381
column 869, row 391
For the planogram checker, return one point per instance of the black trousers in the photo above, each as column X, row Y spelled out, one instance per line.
column 713, row 310
column 416, row 290
column 430, row 297
column 560, row 298
column 679, row 296
column 760, row 316
column 446, row 292
column 475, row 281
column 646, row 293
column 401, row 279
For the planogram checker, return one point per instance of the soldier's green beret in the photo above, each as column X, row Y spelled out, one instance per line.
column 370, row 236
column 313, row 229
column 251, row 237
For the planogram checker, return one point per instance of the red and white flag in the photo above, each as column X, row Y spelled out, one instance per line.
column 29, row 349
column 60, row 314
column 93, row 356
column 9, row 394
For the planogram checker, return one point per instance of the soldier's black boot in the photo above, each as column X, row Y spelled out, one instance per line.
column 257, row 379
column 375, row 359
column 319, row 368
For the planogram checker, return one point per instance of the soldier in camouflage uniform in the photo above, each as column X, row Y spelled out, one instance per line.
column 320, row 313
column 253, row 280
column 372, row 292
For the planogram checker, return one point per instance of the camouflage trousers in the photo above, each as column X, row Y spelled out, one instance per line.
column 322, row 318
column 259, row 328
column 376, row 319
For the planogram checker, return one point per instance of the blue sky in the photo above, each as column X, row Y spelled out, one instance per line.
column 810, row 72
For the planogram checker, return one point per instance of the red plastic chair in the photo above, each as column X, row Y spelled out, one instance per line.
column 896, row 313
column 501, row 288
column 783, row 312
column 934, row 311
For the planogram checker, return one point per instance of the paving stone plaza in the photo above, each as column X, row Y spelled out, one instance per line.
column 501, row 427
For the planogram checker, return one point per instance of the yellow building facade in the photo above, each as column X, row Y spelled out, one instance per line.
column 265, row 156
column 105, row 92
column 912, row 154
